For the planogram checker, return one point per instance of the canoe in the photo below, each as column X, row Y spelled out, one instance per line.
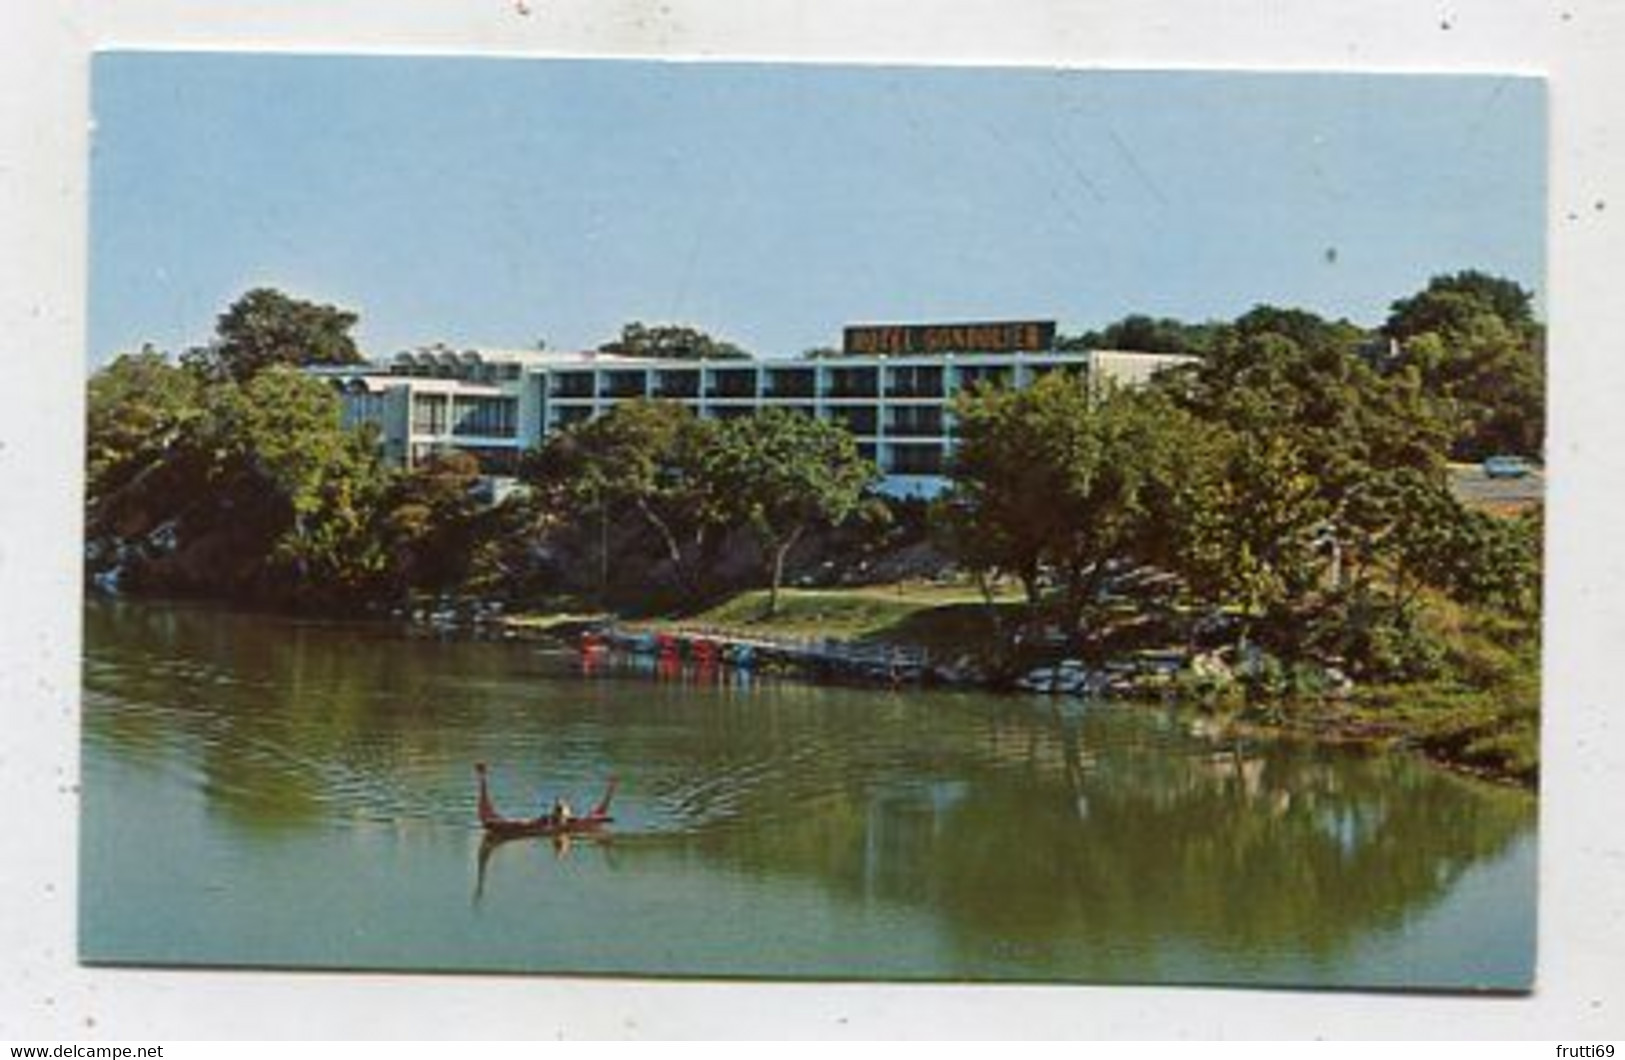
column 497, row 826
column 543, row 827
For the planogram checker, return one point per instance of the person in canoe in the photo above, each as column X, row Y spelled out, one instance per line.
column 562, row 812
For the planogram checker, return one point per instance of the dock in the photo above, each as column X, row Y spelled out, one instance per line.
column 821, row 658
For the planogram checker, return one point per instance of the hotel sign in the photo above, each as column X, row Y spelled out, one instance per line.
column 1008, row 336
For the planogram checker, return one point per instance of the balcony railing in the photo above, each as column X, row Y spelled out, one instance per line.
column 801, row 384
column 914, row 383
column 476, row 427
column 623, row 386
column 677, row 385
column 858, row 421
column 915, row 427
column 572, row 386
column 732, row 385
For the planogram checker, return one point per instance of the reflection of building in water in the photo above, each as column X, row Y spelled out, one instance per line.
column 892, row 387
column 902, row 824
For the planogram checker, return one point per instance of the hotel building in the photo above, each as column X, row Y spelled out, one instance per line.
column 892, row 386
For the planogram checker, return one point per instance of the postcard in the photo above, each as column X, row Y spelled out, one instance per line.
column 798, row 521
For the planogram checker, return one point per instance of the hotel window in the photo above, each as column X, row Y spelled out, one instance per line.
column 985, row 375
column 914, row 381
column 566, row 415
column 624, row 384
column 572, row 385
column 732, row 383
column 859, row 419
column 485, row 417
column 792, row 382
column 677, row 384
column 915, row 421
column 854, row 382
column 429, row 414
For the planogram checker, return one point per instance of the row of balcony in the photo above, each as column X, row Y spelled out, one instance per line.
column 927, row 422
column 781, row 383
column 464, row 428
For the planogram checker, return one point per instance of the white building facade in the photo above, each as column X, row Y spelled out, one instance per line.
column 892, row 387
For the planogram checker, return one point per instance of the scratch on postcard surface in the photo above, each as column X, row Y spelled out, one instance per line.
column 1134, row 163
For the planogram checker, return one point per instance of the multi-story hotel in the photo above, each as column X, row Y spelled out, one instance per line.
column 892, row 386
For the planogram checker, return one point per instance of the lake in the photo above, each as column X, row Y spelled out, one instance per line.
column 271, row 792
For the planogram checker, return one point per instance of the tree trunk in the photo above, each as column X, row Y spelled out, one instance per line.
column 984, row 585
column 674, row 549
column 780, row 550
column 603, row 555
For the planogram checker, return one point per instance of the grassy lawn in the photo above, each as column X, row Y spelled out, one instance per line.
column 545, row 621
column 923, row 614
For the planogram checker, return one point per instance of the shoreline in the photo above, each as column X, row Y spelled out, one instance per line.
column 1371, row 716
column 1381, row 717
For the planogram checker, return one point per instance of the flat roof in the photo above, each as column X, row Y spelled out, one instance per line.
column 596, row 359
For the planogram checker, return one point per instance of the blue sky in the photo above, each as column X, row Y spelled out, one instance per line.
column 500, row 201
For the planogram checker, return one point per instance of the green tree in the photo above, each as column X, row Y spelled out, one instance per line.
column 1298, row 398
column 433, row 522
column 1308, row 331
column 1145, row 334
column 1063, row 479
column 1450, row 302
column 266, row 327
column 295, row 492
column 140, row 408
column 782, row 474
column 1000, row 517
column 1251, row 526
column 248, row 490
column 676, row 342
column 646, row 458
column 1474, row 341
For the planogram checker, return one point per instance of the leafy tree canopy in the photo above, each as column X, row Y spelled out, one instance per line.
column 1449, row 302
column 675, row 342
column 266, row 327
column 140, row 407
column 431, row 521
column 1475, row 343
column 1145, row 334
column 1315, row 390
column 250, row 490
column 646, row 456
column 1065, row 477
column 782, row 474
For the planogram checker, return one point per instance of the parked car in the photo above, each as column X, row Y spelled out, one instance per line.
column 1507, row 467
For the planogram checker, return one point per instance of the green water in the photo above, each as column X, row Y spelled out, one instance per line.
column 265, row 792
